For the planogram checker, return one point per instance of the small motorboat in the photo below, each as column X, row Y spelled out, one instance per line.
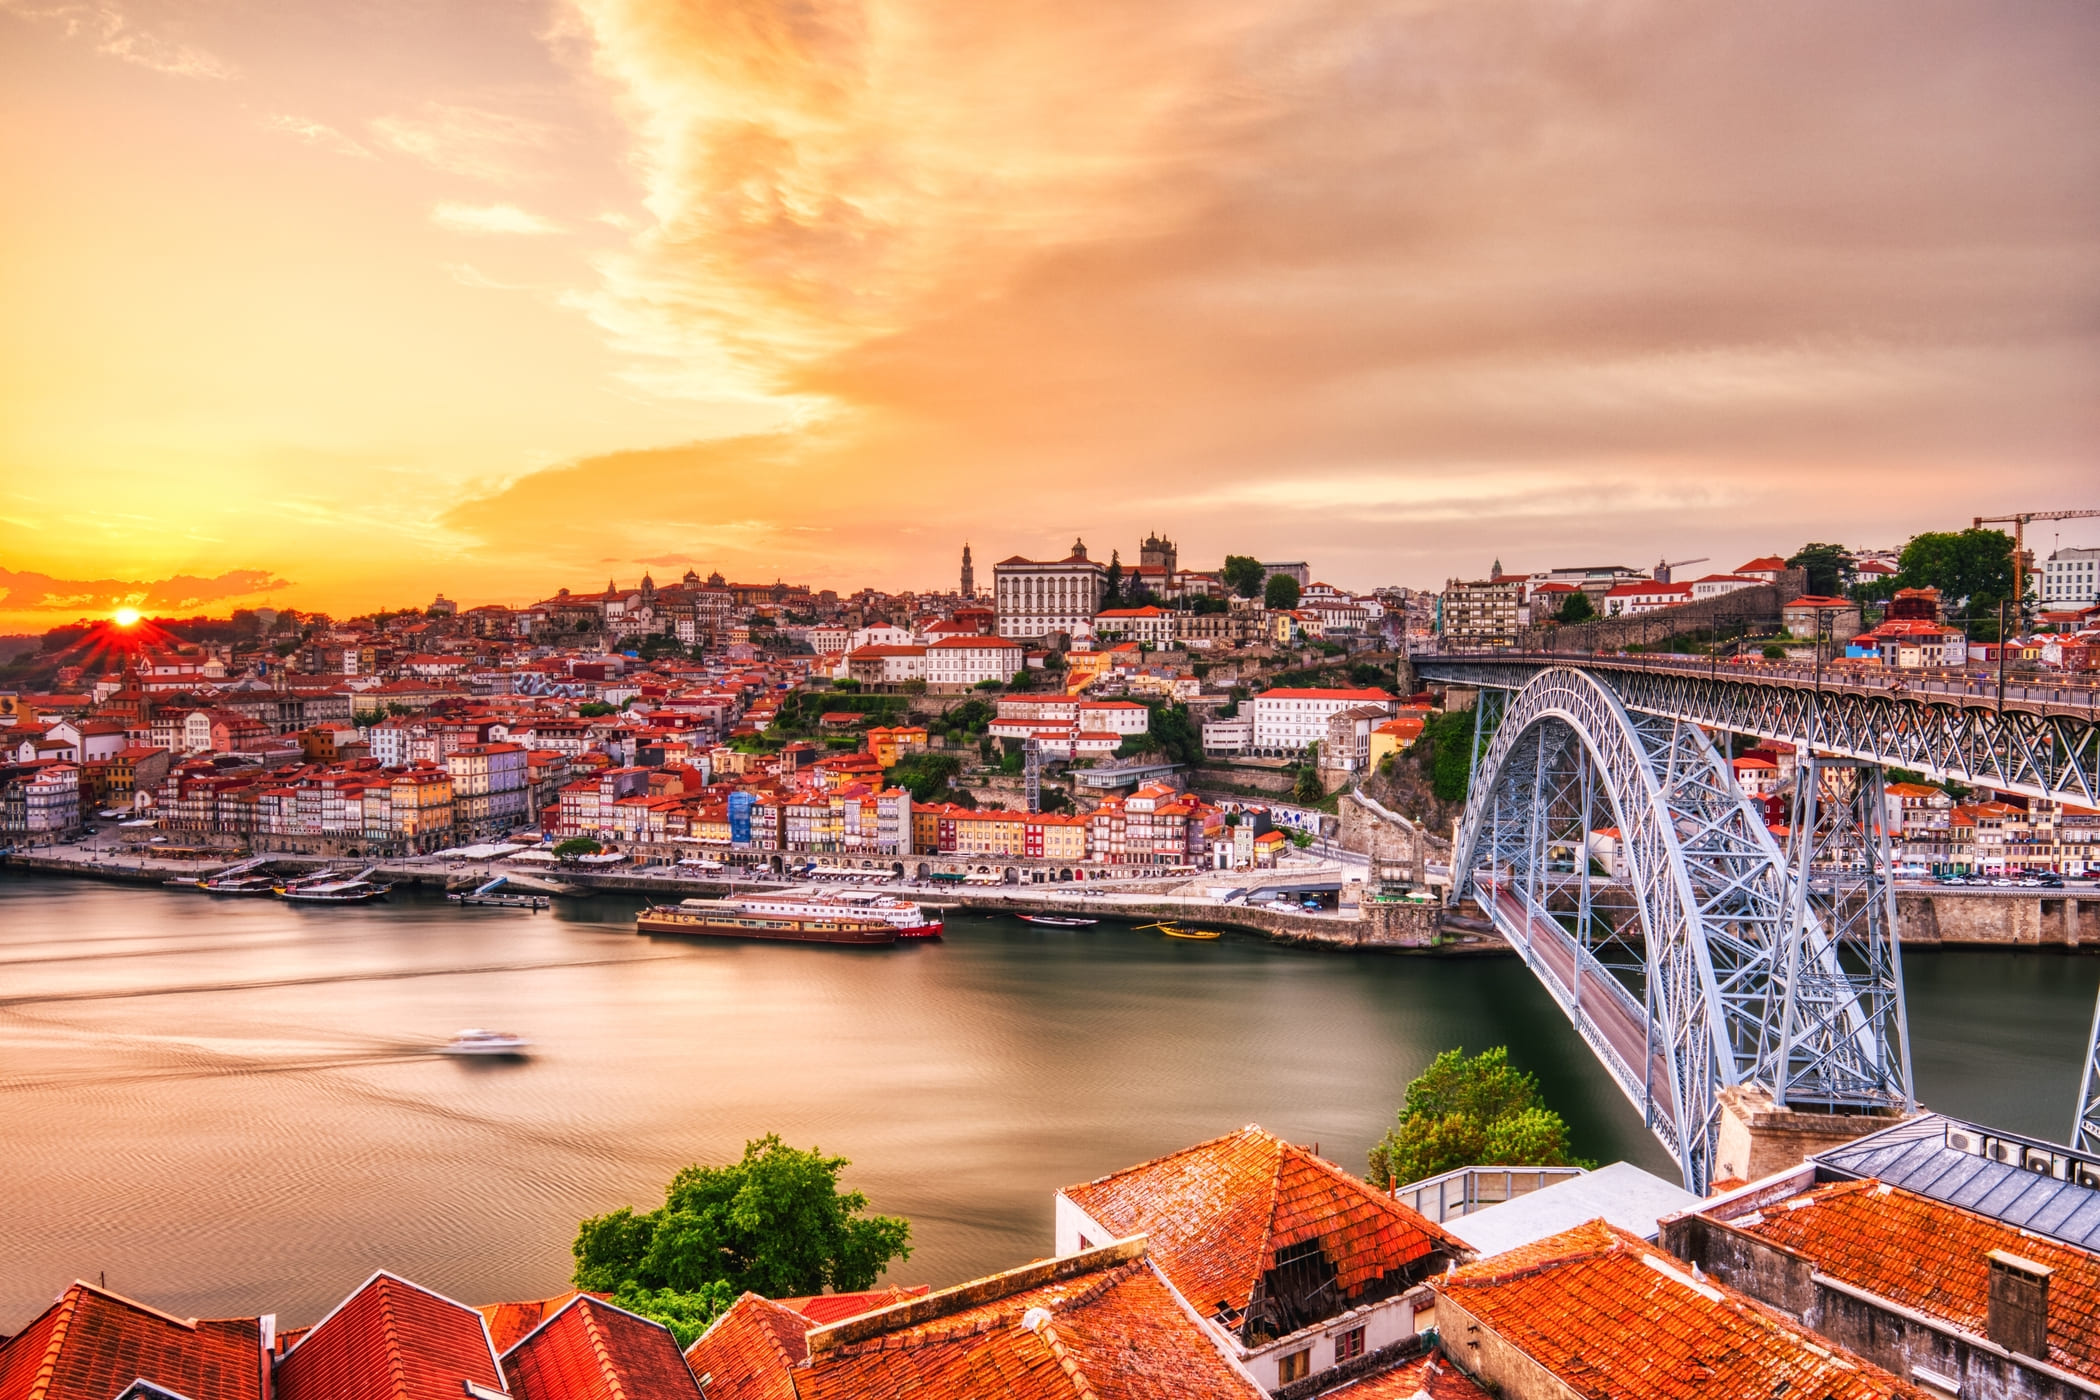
column 1177, row 931
column 481, row 1042
column 1056, row 921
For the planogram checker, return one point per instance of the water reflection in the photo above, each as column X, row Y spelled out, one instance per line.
column 238, row 1106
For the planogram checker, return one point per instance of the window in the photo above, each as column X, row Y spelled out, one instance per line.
column 1348, row 1345
column 1294, row 1367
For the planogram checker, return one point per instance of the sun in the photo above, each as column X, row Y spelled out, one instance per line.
column 125, row 617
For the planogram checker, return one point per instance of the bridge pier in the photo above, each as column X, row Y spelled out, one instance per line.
column 1757, row 1137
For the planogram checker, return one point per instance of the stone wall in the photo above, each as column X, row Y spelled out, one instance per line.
column 1979, row 919
column 1757, row 607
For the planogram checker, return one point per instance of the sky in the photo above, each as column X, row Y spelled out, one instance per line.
column 339, row 306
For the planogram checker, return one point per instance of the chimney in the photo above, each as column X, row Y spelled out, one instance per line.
column 2019, row 1304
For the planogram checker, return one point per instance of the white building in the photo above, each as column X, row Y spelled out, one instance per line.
column 2071, row 576
column 1634, row 599
column 961, row 662
column 1235, row 735
column 1114, row 717
column 1037, row 597
column 886, row 665
column 1286, row 720
column 1714, row 585
column 1154, row 626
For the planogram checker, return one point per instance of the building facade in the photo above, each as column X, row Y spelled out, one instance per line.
column 1038, row 598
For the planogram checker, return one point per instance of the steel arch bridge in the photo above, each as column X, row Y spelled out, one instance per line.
column 1708, row 958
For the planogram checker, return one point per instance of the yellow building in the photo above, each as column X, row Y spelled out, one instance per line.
column 1395, row 736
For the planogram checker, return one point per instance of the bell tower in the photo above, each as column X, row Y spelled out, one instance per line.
column 969, row 575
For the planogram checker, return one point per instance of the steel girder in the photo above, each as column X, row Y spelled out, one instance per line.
column 1962, row 738
column 2085, row 1127
column 1710, row 884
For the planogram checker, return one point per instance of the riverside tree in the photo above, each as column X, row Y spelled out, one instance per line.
column 775, row 1223
column 1473, row 1112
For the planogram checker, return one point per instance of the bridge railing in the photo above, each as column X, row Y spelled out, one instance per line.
column 2066, row 692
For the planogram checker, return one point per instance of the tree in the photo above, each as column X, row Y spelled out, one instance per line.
column 1470, row 1112
column 1576, row 607
column 576, row 846
column 1307, row 789
column 774, row 1223
column 1280, row 593
column 1448, row 740
column 1114, row 597
column 1973, row 566
column 1829, row 568
column 593, row 709
column 1243, row 574
column 1773, row 651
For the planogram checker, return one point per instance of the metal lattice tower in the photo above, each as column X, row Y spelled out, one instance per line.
column 1032, row 768
column 2085, row 1128
column 1842, row 1037
column 1676, row 966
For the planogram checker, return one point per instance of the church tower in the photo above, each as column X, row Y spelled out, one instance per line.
column 969, row 575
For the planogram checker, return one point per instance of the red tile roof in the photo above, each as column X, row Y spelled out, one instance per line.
column 1929, row 1256
column 1433, row 1376
column 391, row 1340
column 750, row 1351
column 591, row 1350
column 90, row 1344
column 1608, row 1315
column 1216, row 1214
column 1103, row 1325
column 823, row 1308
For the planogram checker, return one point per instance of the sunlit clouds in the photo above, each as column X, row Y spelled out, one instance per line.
column 481, row 299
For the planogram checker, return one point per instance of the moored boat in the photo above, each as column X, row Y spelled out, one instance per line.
column 239, row 884
column 1057, row 921
column 736, row 918
column 481, row 1042
column 908, row 918
column 353, row 889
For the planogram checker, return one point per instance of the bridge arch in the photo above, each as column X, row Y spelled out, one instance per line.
column 1722, row 932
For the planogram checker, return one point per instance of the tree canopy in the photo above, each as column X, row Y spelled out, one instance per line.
column 1576, row 607
column 1972, row 565
column 1470, row 1112
column 1243, row 574
column 1281, row 592
column 1829, row 568
column 775, row 1223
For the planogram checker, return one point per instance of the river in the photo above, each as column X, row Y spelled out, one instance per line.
column 233, row 1106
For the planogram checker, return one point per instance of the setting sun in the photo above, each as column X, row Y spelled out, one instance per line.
column 125, row 617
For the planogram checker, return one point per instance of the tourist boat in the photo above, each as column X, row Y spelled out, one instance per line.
column 350, row 889
column 480, row 1042
column 1057, row 921
column 250, row 883
column 818, row 922
column 908, row 918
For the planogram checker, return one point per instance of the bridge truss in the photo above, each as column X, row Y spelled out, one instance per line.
column 1706, row 957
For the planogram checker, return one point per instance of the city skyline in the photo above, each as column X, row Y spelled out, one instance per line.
column 312, row 305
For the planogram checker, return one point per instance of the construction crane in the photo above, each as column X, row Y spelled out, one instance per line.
column 2021, row 562
column 1662, row 570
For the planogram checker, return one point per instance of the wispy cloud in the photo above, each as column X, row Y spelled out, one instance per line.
column 491, row 218
column 29, row 592
column 318, row 134
column 114, row 32
column 472, row 141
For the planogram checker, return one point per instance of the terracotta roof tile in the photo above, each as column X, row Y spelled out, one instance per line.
column 1930, row 1257
column 823, row 1308
column 591, row 1350
column 390, row 1340
column 1216, row 1214
column 750, row 1351
column 1433, row 1376
column 1608, row 1315
column 90, row 1344
column 1109, row 1328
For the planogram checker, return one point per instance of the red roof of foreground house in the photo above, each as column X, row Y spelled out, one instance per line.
column 1607, row 1315
column 1932, row 1257
column 1433, row 1376
column 509, row 1322
column 91, row 1344
column 750, row 1351
column 1102, row 1324
column 1215, row 1216
column 823, row 1308
column 591, row 1350
column 391, row 1340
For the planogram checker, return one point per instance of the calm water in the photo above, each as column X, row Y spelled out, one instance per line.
column 230, row 1106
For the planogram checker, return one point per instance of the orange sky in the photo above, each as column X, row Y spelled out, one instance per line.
column 340, row 305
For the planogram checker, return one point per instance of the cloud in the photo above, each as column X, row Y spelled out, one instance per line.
column 471, row 141
column 318, row 134
column 29, row 592
column 1630, row 268
column 113, row 32
column 491, row 218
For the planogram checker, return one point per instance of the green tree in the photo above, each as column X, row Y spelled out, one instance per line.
column 775, row 1223
column 1280, row 593
column 1773, row 651
column 592, row 709
column 1447, row 752
column 1307, row 789
column 1114, row 597
column 1576, row 607
column 1470, row 1112
column 1301, row 839
column 576, row 846
column 1829, row 568
column 925, row 775
column 1970, row 565
column 1243, row 575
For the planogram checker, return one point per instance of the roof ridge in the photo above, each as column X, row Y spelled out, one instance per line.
column 606, row 1367
column 394, row 1359
column 1046, row 1333
column 1178, row 1152
column 69, row 1303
